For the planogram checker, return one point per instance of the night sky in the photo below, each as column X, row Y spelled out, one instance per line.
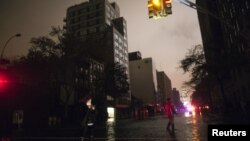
column 165, row 40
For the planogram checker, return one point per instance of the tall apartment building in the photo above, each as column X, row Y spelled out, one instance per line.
column 143, row 80
column 176, row 97
column 98, row 22
column 164, row 86
column 226, row 36
column 134, row 56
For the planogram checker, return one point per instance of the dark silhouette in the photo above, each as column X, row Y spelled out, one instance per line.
column 89, row 119
column 169, row 109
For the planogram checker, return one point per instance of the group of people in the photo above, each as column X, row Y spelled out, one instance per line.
column 89, row 119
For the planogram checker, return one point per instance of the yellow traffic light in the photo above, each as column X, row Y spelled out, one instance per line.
column 156, row 9
column 157, row 4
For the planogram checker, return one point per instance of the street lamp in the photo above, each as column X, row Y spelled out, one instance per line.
column 16, row 35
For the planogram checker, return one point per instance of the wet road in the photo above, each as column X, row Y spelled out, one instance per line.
column 192, row 128
column 188, row 128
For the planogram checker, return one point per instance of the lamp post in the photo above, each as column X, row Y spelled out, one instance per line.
column 16, row 35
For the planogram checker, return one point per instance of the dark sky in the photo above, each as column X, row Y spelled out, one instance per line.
column 165, row 40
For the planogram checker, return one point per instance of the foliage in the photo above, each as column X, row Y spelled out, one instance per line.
column 195, row 63
column 116, row 81
column 52, row 62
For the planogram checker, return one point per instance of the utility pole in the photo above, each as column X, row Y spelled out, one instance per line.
column 205, row 11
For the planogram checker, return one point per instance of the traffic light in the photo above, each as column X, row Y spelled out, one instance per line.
column 159, row 8
column 168, row 6
column 157, row 4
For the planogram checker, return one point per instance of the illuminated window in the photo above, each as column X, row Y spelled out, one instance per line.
column 111, row 112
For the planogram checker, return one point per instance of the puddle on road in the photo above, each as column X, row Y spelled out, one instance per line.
column 111, row 129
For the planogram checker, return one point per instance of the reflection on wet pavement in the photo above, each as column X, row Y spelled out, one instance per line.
column 191, row 128
column 111, row 130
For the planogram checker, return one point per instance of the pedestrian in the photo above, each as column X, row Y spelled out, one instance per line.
column 89, row 119
column 169, row 109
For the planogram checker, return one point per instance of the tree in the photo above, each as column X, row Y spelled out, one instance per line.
column 195, row 63
column 116, row 81
column 201, row 72
column 52, row 61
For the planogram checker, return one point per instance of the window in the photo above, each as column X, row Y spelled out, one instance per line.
column 92, row 8
column 84, row 32
column 78, row 26
column 237, row 26
column 116, row 59
column 91, row 23
column 146, row 61
column 83, row 10
column 116, row 51
column 124, row 24
column 233, row 8
column 97, row 6
column 72, row 13
column 91, row 78
column 126, row 58
column 108, row 21
column 231, row 13
column 92, row 30
column 120, row 40
column 124, row 30
column 97, row 14
column 125, row 45
column 79, row 12
column 72, row 21
column 116, row 36
column 91, row 15
column 78, row 33
column 231, row 38
column 97, row 21
column 97, row 29
column 224, row 8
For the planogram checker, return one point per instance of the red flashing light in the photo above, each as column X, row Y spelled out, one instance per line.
column 3, row 82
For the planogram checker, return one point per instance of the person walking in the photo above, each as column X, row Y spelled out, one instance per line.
column 89, row 119
column 169, row 109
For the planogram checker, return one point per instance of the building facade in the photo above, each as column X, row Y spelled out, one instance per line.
column 98, row 23
column 176, row 97
column 143, row 80
column 164, row 86
column 225, row 34
column 96, row 19
column 134, row 56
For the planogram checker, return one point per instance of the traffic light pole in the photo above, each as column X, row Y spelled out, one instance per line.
column 204, row 11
